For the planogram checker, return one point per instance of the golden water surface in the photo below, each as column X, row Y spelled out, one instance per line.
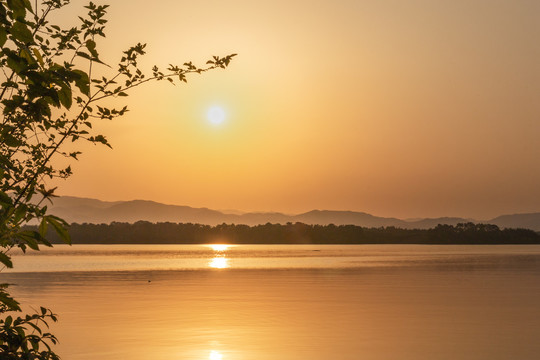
column 287, row 302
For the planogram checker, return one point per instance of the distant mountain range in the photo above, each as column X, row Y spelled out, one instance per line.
column 83, row 210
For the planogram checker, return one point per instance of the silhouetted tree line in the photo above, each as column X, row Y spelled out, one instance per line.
column 143, row 232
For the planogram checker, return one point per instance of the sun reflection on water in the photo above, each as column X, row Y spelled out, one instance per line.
column 219, row 263
column 219, row 247
column 215, row 355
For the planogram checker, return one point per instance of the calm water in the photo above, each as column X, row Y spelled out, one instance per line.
column 287, row 302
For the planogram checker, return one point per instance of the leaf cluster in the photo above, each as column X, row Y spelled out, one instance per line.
column 24, row 337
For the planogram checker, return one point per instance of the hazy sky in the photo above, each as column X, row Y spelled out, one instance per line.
column 396, row 108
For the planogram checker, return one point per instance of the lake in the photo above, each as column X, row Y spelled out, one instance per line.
column 280, row 302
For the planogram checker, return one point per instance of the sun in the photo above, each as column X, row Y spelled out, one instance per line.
column 216, row 115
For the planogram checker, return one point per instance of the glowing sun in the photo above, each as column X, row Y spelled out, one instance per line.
column 216, row 115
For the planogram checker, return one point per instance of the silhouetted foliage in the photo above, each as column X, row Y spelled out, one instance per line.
column 143, row 232
column 53, row 80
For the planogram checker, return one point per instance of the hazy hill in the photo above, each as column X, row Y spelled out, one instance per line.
column 326, row 217
column 525, row 221
column 96, row 211
column 82, row 210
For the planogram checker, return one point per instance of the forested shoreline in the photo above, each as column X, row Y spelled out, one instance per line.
column 143, row 232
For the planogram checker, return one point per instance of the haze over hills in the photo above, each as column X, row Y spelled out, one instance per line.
column 83, row 210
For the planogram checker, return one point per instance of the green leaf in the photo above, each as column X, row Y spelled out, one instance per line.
column 64, row 95
column 20, row 332
column 26, row 54
column 60, row 226
column 100, row 139
column 6, row 260
column 31, row 238
column 92, row 57
column 37, row 54
column 21, row 32
column 91, row 46
column 84, row 55
column 43, row 227
column 28, row 5
column 7, row 300
column 5, row 200
column 82, row 81
column 15, row 62
column 20, row 213
column 37, row 328
column 11, row 141
column 3, row 36
column 18, row 8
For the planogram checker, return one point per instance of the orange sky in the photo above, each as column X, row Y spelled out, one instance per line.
column 396, row 108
